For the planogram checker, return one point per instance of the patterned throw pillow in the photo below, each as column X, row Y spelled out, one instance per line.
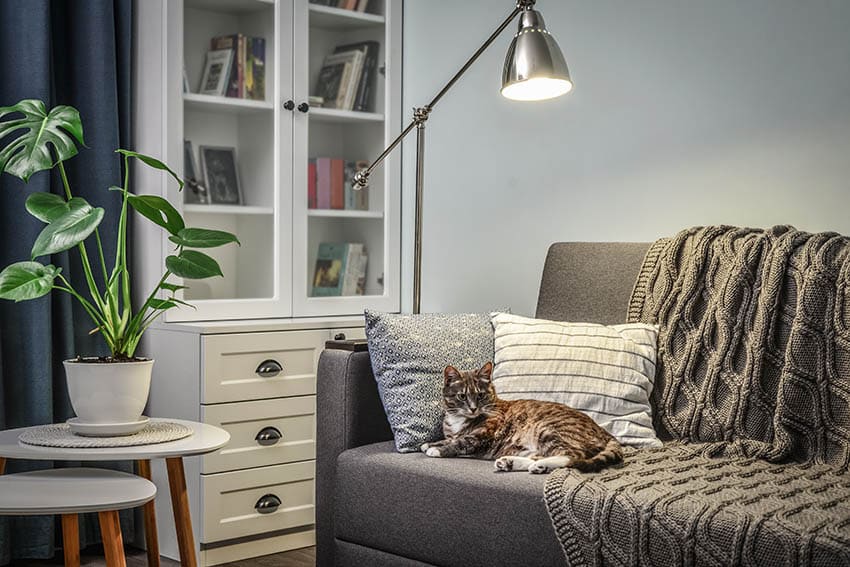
column 409, row 353
column 606, row 372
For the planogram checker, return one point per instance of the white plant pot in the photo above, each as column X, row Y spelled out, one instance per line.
column 114, row 392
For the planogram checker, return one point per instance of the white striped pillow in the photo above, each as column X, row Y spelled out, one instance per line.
column 606, row 372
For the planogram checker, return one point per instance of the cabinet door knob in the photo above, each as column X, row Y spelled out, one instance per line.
column 303, row 107
column 289, row 105
column 268, row 436
column 269, row 368
column 268, row 504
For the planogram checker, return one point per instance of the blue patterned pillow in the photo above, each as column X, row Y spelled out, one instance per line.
column 409, row 353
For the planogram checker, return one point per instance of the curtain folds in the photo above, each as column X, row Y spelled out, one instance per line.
column 76, row 52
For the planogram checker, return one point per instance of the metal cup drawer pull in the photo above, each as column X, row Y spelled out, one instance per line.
column 269, row 368
column 268, row 504
column 268, row 436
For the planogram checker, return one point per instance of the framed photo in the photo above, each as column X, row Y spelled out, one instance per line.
column 196, row 190
column 222, row 179
column 216, row 72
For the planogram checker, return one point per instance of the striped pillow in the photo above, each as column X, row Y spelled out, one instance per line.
column 606, row 372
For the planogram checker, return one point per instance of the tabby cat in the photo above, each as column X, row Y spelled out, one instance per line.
column 520, row 435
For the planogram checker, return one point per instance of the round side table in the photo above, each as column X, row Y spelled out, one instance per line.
column 204, row 439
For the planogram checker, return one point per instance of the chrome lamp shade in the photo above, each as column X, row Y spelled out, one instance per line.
column 535, row 68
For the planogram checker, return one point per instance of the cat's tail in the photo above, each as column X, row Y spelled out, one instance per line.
column 610, row 455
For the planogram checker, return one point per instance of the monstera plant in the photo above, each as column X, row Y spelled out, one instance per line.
column 37, row 140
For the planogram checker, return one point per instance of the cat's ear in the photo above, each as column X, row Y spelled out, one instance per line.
column 485, row 373
column 450, row 374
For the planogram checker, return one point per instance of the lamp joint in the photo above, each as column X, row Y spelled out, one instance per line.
column 525, row 4
column 361, row 180
column 420, row 115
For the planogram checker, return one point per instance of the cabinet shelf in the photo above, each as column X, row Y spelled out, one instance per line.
column 227, row 209
column 230, row 6
column 210, row 103
column 343, row 214
column 330, row 18
column 344, row 116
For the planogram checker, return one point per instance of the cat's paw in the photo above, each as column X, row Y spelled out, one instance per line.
column 538, row 468
column 424, row 447
column 433, row 452
column 504, row 464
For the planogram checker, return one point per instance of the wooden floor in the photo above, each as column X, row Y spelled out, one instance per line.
column 136, row 558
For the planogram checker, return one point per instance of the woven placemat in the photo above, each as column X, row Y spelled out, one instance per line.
column 60, row 435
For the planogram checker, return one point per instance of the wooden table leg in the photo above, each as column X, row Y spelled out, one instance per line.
column 113, row 545
column 71, row 540
column 2, row 465
column 151, row 536
column 180, row 506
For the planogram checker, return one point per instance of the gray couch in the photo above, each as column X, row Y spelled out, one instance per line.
column 378, row 507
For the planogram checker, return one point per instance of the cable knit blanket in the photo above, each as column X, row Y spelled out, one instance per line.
column 752, row 394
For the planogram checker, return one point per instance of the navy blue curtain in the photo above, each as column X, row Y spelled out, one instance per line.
column 75, row 52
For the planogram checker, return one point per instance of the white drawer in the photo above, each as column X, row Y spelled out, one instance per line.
column 350, row 333
column 231, row 499
column 255, row 428
column 231, row 365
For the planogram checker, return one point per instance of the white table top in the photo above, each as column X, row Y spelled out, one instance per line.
column 204, row 439
column 72, row 491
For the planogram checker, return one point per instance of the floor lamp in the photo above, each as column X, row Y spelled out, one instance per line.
column 534, row 70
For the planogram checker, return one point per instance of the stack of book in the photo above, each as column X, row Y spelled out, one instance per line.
column 247, row 66
column 330, row 185
column 355, row 5
column 347, row 78
column 340, row 269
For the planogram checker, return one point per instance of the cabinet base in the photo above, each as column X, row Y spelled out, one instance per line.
column 257, row 548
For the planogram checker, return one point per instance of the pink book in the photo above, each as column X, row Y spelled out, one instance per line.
column 323, row 183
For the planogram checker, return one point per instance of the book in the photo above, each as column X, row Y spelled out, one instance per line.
column 256, row 65
column 323, row 183
column 350, row 197
column 347, row 4
column 236, row 68
column 354, row 258
column 338, row 79
column 364, row 100
column 361, row 196
column 216, row 72
column 312, row 201
column 337, row 184
column 332, row 262
column 362, row 5
column 329, row 80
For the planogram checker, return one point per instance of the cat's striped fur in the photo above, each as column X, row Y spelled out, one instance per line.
column 530, row 435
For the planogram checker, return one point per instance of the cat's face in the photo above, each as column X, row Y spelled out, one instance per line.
column 469, row 394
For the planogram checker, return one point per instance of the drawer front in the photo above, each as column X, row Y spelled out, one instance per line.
column 264, row 432
column 231, row 501
column 232, row 365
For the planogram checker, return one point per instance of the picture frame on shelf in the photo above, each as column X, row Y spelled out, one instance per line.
column 216, row 74
column 196, row 192
column 222, row 177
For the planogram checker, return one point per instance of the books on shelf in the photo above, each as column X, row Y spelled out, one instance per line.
column 330, row 184
column 216, row 72
column 247, row 70
column 346, row 80
column 340, row 269
column 354, row 5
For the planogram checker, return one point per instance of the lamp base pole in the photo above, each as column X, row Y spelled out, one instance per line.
column 420, row 116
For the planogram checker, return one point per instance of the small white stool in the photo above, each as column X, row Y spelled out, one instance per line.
column 74, row 491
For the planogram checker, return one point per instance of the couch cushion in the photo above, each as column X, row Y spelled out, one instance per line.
column 448, row 512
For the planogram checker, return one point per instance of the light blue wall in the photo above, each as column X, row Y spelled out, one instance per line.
column 684, row 112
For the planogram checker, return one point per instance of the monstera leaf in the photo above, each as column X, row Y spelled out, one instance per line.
column 30, row 152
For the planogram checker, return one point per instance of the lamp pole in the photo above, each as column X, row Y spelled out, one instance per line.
column 420, row 116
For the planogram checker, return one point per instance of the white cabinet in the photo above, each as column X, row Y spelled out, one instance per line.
column 274, row 139
column 257, row 380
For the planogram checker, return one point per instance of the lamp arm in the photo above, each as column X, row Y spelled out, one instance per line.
column 420, row 115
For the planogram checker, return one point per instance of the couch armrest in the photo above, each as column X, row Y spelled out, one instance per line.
column 349, row 414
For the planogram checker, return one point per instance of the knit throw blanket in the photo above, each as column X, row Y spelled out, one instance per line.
column 752, row 394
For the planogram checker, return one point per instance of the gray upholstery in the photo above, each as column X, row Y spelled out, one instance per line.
column 450, row 512
column 352, row 555
column 581, row 282
column 589, row 281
